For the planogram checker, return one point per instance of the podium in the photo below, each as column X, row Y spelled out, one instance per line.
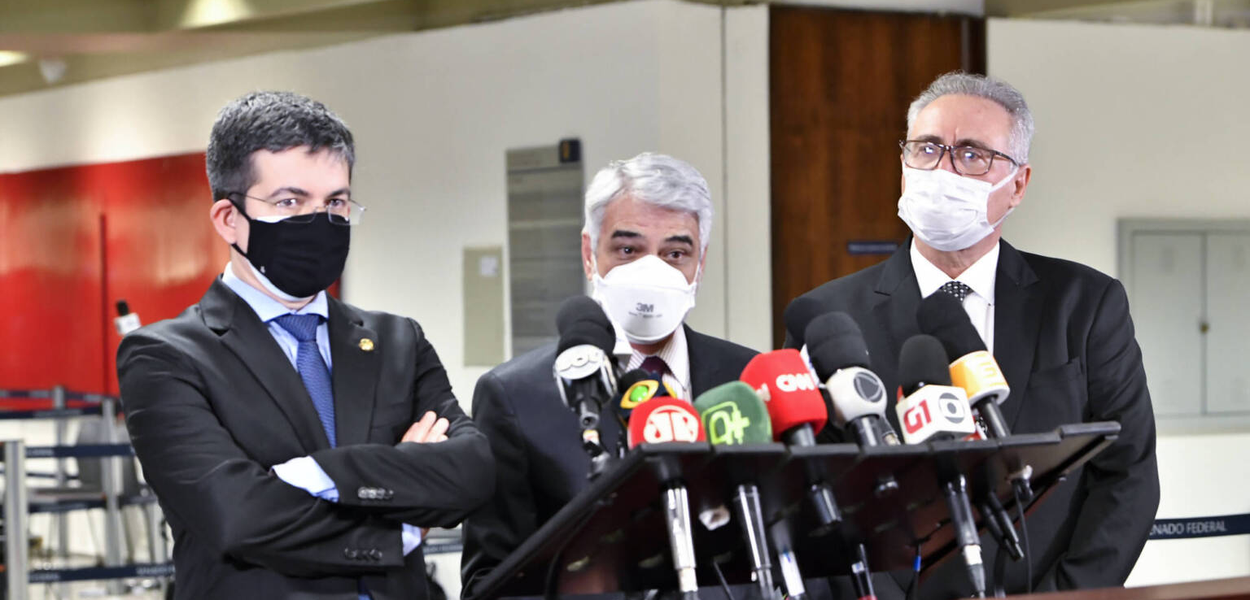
column 612, row 537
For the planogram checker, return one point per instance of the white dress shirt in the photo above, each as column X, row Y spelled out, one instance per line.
column 981, row 277
column 674, row 353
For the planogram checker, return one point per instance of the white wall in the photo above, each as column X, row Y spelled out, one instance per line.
column 1139, row 122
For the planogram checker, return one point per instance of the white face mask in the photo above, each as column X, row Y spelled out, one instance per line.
column 647, row 298
column 946, row 210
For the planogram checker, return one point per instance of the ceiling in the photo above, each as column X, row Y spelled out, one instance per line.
column 47, row 43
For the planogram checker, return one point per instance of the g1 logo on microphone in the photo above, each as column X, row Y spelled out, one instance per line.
column 917, row 417
column 793, row 382
column 671, row 424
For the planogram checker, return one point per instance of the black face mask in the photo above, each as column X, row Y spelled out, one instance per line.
column 300, row 259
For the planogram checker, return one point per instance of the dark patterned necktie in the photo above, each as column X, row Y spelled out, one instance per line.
column 312, row 368
column 655, row 366
column 958, row 289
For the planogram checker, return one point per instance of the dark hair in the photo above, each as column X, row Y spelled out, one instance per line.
column 273, row 121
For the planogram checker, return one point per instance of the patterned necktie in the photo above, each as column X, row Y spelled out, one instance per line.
column 312, row 368
column 655, row 366
column 958, row 289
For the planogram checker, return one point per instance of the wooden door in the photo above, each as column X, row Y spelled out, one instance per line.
column 840, row 84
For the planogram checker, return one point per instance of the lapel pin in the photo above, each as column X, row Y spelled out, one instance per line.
column 366, row 344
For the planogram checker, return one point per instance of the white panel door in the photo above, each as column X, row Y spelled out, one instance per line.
column 1228, row 313
column 1168, row 289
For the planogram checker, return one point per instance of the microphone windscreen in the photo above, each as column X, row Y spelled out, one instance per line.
column 788, row 389
column 921, row 362
column 941, row 315
column 581, row 320
column 732, row 413
column 664, row 420
column 799, row 314
column 835, row 342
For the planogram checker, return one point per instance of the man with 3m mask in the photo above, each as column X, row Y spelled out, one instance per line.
column 645, row 241
column 297, row 444
column 1060, row 331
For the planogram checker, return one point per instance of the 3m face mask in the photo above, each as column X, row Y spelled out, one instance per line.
column 647, row 298
column 946, row 210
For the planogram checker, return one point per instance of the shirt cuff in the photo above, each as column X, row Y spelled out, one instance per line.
column 412, row 538
column 305, row 474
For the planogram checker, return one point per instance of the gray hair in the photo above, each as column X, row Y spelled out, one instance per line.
column 990, row 88
column 273, row 121
column 658, row 180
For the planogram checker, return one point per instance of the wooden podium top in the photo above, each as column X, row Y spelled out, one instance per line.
column 1216, row 589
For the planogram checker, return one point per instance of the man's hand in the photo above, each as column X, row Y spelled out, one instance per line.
column 429, row 430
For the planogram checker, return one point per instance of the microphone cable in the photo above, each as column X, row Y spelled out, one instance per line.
column 1024, row 537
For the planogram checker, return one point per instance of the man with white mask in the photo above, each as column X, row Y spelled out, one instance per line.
column 647, row 225
column 1060, row 331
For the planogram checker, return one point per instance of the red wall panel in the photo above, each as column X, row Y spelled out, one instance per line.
column 73, row 240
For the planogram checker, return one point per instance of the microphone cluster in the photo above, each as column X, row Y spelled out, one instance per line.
column 790, row 396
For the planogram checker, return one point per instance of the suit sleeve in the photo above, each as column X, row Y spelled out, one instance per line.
column 510, row 516
column 1122, row 482
column 430, row 485
column 222, row 495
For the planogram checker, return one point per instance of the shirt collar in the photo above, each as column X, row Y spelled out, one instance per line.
column 981, row 276
column 675, row 353
column 267, row 308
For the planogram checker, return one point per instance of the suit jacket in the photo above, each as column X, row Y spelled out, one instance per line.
column 212, row 403
column 537, row 445
column 1064, row 339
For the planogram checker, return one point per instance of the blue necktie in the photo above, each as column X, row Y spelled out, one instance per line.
column 312, row 368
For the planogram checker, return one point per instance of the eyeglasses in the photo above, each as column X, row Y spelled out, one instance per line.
column 341, row 211
column 967, row 160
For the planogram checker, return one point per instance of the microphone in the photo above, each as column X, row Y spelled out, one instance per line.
column 933, row 409
column 732, row 413
column 798, row 318
column 840, row 357
column 802, row 311
column 585, row 369
column 797, row 412
column 664, row 420
column 126, row 321
column 943, row 317
column 976, row 371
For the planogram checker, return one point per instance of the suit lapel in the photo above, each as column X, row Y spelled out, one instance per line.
column 249, row 339
column 356, row 363
column 898, row 298
column 705, row 371
column 1016, row 325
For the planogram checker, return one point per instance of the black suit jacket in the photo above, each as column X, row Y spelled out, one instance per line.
column 1064, row 339
column 212, row 403
column 537, row 445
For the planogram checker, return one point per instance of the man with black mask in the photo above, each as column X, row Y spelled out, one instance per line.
column 297, row 444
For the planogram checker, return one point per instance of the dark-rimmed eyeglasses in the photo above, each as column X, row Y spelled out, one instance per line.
column 341, row 211
column 967, row 160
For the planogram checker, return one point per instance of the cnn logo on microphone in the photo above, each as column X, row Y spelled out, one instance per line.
column 793, row 382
